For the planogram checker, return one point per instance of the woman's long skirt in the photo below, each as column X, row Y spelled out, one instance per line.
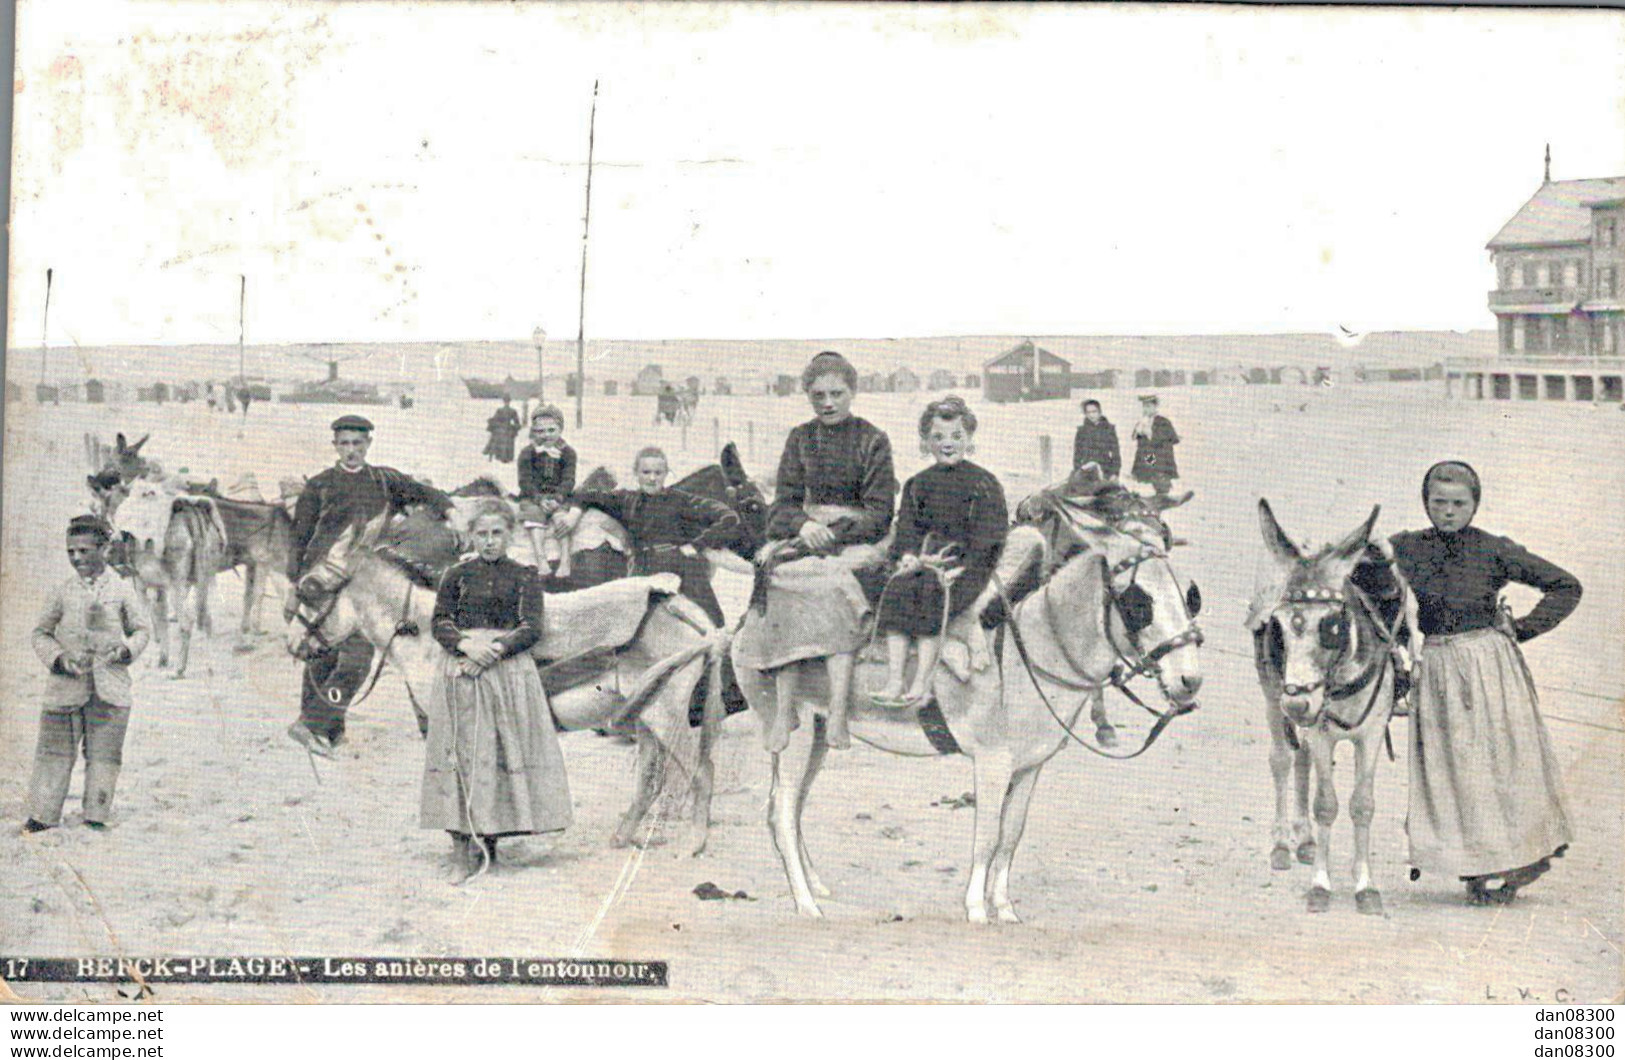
column 493, row 767
column 1486, row 794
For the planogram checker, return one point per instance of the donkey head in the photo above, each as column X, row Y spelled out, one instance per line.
column 320, row 613
column 1309, row 631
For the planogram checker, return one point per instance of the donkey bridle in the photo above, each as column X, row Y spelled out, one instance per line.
column 1368, row 675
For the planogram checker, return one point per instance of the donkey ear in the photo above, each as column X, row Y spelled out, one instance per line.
column 1280, row 546
column 1355, row 544
column 119, row 438
column 136, row 448
column 1162, row 504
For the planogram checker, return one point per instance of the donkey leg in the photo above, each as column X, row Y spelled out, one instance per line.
column 651, row 760
column 1281, row 759
column 703, row 782
column 1105, row 732
column 180, row 599
column 790, row 770
column 251, row 597
column 992, row 790
column 160, row 624
column 202, row 589
column 1012, row 823
column 1362, row 808
column 1320, row 889
column 1300, row 812
column 815, row 762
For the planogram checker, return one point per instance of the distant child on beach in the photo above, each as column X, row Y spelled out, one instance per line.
column 92, row 628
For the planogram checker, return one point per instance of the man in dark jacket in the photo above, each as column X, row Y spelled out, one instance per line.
column 350, row 493
column 1096, row 442
column 1154, row 441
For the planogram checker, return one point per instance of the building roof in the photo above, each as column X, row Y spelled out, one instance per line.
column 1023, row 350
column 1560, row 212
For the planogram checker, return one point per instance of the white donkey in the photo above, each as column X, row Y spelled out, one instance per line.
column 1113, row 607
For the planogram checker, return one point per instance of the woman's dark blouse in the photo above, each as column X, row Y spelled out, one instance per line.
column 961, row 503
column 480, row 594
column 670, row 517
column 848, row 464
column 1458, row 578
column 544, row 475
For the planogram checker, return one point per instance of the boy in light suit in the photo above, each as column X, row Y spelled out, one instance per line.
column 92, row 628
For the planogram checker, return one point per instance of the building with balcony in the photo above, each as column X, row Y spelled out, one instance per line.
column 1559, row 268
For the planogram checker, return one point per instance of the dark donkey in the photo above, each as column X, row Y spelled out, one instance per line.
column 1325, row 651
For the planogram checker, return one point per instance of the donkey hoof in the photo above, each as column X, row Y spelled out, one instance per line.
column 1368, row 901
column 976, row 916
column 1306, row 852
column 1106, row 736
column 1281, row 858
column 1007, row 915
column 819, row 890
column 1320, row 900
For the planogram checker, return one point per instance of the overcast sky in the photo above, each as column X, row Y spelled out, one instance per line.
column 415, row 171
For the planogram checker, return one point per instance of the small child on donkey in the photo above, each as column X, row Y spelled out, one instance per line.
column 492, row 766
column 950, row 528
column 92, row 628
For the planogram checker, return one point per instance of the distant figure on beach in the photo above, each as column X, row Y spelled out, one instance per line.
column 1096, row 442
column 503, row 428
column 245, row 396
column 209, row 396
column 1154, row 441
column 667, row 404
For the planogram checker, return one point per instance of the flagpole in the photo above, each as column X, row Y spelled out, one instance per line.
column 586, row 228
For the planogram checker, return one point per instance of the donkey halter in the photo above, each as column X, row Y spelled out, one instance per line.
column 331, row 590
column 1140, row 661
column 1383, row 659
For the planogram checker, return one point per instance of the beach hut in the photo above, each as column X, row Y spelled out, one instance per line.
column 611, row 387
column 941, row 379
column 903, row 381
column 1258, row 376
column 1144, row 377
column 973, row 381
column 1026, row 372
column 873, row 383
column 785, row 385
column 721, row 387
column 648, row 382
column 95, row 392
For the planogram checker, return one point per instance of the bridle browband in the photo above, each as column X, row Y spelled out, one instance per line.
column 1368, row 675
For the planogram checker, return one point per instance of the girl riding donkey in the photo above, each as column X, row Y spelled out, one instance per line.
column 493, row 766
column 669, row 527
column 951, row 526
column 547, row 474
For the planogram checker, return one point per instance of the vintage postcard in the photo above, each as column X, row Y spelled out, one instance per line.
column 737, row 503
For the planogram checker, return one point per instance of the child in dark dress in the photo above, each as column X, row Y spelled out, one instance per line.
column 547, row 475
column 950, row 527
column 492, row 766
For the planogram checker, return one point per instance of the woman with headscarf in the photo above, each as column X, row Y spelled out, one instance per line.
column 834, row 499
column 1486, row 801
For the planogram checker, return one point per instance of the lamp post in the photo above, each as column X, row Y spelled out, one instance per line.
column 539, row 337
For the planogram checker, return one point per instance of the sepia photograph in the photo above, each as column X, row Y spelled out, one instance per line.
column 585, row 503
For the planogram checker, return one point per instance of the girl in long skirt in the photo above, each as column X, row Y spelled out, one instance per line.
column 1486, row 801
column 493, row 767
column 953, row 509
